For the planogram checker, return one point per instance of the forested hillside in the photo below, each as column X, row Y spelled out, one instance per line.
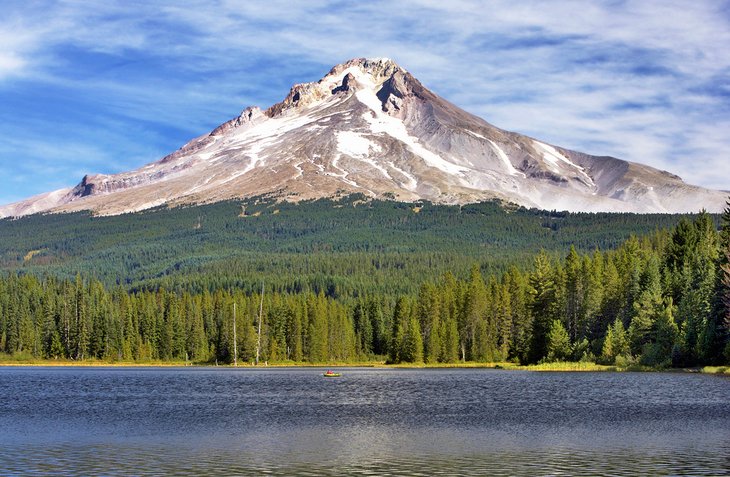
column 660, row 300
column 345, row 248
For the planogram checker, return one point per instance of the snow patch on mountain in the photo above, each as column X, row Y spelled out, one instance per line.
column 355, row 144
column 553, row 156
column 505, row 160
column 382, row 123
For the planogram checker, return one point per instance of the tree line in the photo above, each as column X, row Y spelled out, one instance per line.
column 660, row 300
column 346, row 248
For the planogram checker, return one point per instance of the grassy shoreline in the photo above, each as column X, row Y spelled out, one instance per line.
column 6, row 361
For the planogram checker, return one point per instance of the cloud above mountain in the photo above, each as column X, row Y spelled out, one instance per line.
column 96, row 87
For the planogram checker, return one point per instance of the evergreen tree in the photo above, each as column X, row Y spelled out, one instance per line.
column 521, row 330
column 615, row 343
column 611, row 303
column 363, row 329
column 381, row 335
column 317, row 335
column 664, row 334
column 591, row 317
column 504, row 322
column 558, row 342
column 451, row 341
column 472, row 327
column 448, row 294
column 81, row 325
column 541, row 303
column 428, row 311
column 721, row 309
column 401, row 321
column 412, row 343
column 573, row 293
column 646, row 308
column 197, row 343
column 296, row 333
column 50, row 337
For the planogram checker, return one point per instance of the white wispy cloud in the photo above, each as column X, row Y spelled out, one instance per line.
column 648, row 81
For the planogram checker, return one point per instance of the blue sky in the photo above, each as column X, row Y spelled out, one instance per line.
column 101, row 87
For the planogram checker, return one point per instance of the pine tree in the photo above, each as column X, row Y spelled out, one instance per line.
column 51, row 339
column 611, row 303
column 81, row 325
column 448, row 298
column 197, row 341
column 721, row 309
column 401, row 322
column 592, row 273
column 381, row 335
column 451, row 341
column 542, row 302
column 318, row 332
column 558, row 342
column 615, row 343
column 629, row 267
column 363, row 329
column 412, row 347
column 646, row 308
column 504, row 322
column 428, row 312
column 521, row 331
column 573, row 293
column 664, row 334
column 472, row 317
column 296, row 353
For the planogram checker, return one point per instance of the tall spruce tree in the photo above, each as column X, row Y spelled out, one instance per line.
column 615, row 343
column 521, row 329
column 647, row 307
column 541, row 304
column 721, row 310
column 558, row 342
column 399, row 345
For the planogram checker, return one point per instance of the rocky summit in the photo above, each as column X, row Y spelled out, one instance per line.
column 370, row 127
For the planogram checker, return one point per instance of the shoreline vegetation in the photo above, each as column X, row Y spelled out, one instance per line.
column 562, row 366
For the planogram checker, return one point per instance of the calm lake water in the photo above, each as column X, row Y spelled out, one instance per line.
column 183, row 421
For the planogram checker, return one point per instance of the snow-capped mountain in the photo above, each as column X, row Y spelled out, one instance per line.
column 370, row 127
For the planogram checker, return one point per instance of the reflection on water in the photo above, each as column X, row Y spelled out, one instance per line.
column 161, row 460
column 73, row 421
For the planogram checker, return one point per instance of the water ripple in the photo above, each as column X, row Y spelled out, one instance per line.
column 72, row 422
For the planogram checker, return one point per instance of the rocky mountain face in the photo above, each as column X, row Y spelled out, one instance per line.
column 370, row 127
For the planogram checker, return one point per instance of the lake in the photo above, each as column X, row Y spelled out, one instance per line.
column 293, row 421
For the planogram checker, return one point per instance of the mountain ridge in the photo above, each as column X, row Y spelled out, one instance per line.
column 369, row 126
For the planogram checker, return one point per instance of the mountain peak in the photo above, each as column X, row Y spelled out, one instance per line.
column 370, row 127
column 377, row 68
column 343, row 78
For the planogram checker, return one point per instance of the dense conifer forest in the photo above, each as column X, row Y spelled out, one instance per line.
column 355, row 280
column 344, row 248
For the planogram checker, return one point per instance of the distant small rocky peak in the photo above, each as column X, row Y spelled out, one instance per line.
column 378, row 68
column 84, row 188
column 249, row 115
column 348, row 83
column 395, row 85
column 299, row 96
column 392, row 105
column 393, row 92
